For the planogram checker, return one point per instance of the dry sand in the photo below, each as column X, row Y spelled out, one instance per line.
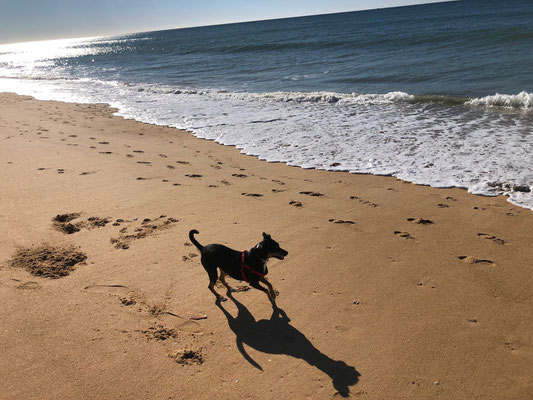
column 390, row 290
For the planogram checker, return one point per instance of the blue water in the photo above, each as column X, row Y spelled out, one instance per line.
column 437, row 94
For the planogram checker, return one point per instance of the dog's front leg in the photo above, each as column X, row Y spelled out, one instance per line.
column 261, row 288
column 273, row 293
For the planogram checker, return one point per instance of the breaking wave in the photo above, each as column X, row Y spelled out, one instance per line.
column 522, row 100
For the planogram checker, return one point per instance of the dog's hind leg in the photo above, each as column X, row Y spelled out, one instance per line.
column 213, row 277
column 223, row 280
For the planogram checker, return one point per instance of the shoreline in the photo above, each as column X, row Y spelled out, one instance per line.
column 382, row 303
column 489, row 170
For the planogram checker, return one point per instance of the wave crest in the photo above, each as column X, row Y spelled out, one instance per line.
column 287, row 97
column 522, row 100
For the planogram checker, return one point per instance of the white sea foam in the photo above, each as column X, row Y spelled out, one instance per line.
column 488, row 152
column 521, row 100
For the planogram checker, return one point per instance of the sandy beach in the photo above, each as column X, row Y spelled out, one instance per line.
column 390, row 290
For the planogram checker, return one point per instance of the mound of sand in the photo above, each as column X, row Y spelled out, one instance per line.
column 47, row 261
column 188, row 357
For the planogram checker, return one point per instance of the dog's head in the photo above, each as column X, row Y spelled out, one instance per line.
column 271, row 247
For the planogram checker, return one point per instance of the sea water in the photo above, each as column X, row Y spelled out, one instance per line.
column 438, row 94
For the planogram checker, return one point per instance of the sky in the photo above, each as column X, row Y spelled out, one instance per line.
column 29, row 20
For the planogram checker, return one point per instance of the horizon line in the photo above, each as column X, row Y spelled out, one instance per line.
column 162, row 29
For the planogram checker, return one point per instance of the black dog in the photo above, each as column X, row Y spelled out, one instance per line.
column 249, row 266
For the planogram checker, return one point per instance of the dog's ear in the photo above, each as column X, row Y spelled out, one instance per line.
column 266, row 236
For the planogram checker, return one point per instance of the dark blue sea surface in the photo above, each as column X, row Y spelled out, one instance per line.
column 438, row 94
column 463, row 48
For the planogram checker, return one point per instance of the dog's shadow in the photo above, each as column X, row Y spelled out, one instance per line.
column 277, row 336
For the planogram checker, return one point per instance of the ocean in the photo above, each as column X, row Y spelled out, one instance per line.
column 437, row 94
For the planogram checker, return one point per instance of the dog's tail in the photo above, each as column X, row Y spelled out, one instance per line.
column 193, row 240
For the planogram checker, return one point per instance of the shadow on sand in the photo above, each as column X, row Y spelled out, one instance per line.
column 277, row 336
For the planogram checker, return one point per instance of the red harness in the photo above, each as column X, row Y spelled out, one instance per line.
column 244, row 265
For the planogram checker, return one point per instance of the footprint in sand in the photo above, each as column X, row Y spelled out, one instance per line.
column 147, row 163
column 145, row 229
column 105, row 152
column 189, row 257
column 188, row 357
column 138, row 151
column 509, row 346
column 103, row 142
column 64, row 223
column 128, row 301
column 252, row 194
column 110, row 289
column 420, row 221
column 491, row 237
column 365, row 202
column 473, row 260
column 341, row 221
column 443, row 205
column 171, row 167
column 183, row 162
column 313, row 194
column 162, row 156
column 295, row 203
column 30, row 285
column 159, row 332
column 404, row 235
column 193, row 175
column 239, row 175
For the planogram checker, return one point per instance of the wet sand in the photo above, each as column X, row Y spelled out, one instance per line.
column 390, row 290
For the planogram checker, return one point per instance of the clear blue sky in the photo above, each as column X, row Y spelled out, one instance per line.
column 25, row 20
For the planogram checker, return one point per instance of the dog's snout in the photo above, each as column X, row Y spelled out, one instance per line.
column 280, row 254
